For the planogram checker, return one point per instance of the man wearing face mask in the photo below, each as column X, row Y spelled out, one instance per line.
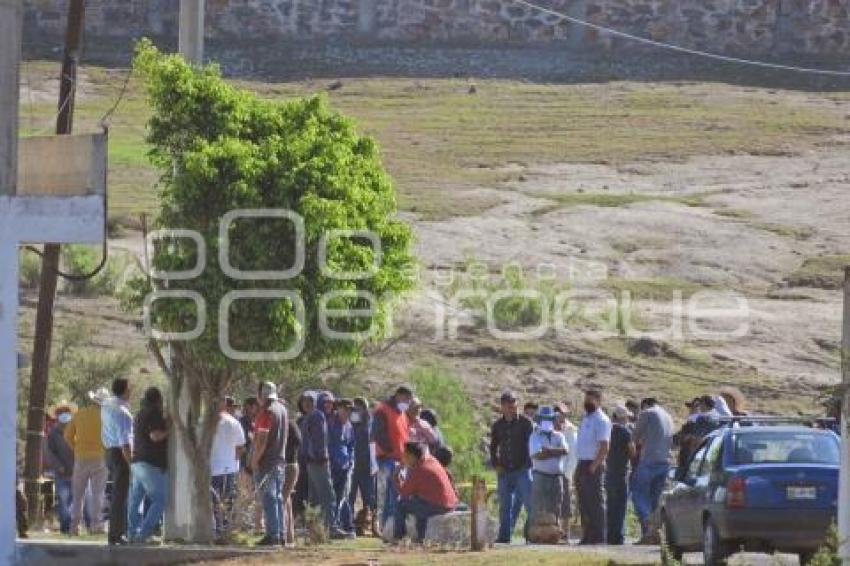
column 594, row 436
column 548, row 450
column 390, row 430
column 60, row 457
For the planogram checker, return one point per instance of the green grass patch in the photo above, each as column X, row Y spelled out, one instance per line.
column 822, row 272
column 613, row 200
column 658, row 289
column 684, row 371
column 786, row 230
column 740, row 213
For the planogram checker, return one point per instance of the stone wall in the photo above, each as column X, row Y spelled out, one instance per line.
column 754, row 27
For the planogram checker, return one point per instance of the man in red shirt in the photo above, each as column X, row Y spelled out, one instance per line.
column 425, row 491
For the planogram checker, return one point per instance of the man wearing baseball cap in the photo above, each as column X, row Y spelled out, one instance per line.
column 510, row 458
column 268, row 461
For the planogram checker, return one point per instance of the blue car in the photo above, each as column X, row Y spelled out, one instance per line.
column 756, row 487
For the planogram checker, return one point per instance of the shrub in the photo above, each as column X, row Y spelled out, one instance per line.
column 81, row 260
column 513, row 310
column 827, row 555
column 29, row 269
column 444, row 392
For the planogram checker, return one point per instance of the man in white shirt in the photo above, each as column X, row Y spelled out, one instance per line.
column 548, row 450
column 228, row 446
column 594, row 436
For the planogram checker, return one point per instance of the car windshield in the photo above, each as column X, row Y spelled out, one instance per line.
column 782, row 447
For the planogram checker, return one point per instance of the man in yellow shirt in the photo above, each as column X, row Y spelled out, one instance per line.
column 83, row 436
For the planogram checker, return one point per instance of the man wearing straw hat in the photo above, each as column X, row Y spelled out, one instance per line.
column 60, row 457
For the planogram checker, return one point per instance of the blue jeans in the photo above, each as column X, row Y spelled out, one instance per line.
column 223, row 488
column 151, row 482
column 271, row 486
column 421, row 511
column 514, row 490
column 648, row 483
column 386, row 467
column 342, row 488
column 364, row 482
column 62, row 486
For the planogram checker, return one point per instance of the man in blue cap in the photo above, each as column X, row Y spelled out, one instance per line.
column 548, row 450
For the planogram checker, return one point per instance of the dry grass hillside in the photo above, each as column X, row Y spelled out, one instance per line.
column 666, row 190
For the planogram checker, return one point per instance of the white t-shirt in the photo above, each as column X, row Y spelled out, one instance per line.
column 228, row 436
column 593, row 429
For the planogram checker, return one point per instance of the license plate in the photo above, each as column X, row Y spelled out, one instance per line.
column 801, row 492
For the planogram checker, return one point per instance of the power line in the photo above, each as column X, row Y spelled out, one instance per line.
column 104, row 120
column 680, row 49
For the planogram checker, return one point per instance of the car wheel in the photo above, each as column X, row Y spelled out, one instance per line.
column 669, row 551
column 713, row 550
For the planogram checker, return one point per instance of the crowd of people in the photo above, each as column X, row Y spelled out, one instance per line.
column 540, row 456
column 390, row 456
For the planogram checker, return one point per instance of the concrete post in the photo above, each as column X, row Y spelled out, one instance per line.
column 8, row 393
column 181, row 508
column 10, row 55
column 191, row 36
column 844, row 477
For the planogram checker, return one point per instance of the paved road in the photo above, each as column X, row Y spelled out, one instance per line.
column 633, row 554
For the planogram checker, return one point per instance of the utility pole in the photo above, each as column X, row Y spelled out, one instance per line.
column 49, row 275
column 191, row 35
column 181, row 504
column 10, row 56
column 844, row 477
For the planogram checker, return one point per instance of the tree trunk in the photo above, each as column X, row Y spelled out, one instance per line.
column 189, row 516
column 178, row 516
column 194, row 414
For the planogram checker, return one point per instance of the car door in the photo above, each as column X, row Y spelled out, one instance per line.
column 691, row 512
column 702, row 492
column 682, row 510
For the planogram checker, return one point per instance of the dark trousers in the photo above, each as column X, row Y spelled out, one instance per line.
column 119, row 471
column 616, row 494
column 421, row 511
column 591, row 502
column 299, row 495
column 21, row 509
column 363, row 481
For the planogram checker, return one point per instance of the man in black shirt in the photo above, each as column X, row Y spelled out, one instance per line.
column 621, row 451
column 510, row 458
column 148, row 470
column 250, row 407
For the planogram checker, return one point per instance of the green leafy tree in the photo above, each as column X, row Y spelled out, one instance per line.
column 221, row 149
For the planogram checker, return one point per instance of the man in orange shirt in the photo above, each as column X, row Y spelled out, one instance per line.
column 390, row 431
column 425, row 491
